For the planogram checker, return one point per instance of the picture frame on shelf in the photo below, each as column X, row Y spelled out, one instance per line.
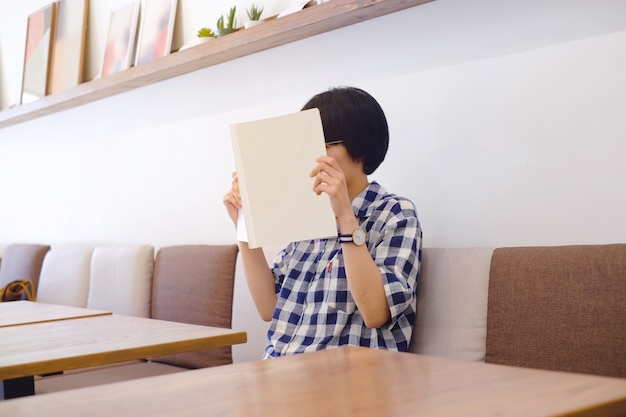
column 68, row 51
column 39, row 39
column 119, row 49
column 156, row 30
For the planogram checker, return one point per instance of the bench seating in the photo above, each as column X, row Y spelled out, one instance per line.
column 557, row 307
column 186, row 283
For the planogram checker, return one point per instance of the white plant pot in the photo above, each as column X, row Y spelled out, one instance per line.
column 252, row 23
column 205, row 39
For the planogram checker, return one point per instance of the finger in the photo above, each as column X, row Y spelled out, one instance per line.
column 321, row 177
column 325, row 169
column 229, row 200
column 233, row 198
column 325, row 161
column 326, row 184
column 329, row 160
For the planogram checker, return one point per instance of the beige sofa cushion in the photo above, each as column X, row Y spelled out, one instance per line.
column 452, row 303
column 560, row 308
column 64, row 275
column 121, row 279
column 194, row 284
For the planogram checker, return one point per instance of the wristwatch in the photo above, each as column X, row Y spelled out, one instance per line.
column 357, row 237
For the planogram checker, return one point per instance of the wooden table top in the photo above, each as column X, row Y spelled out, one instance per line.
column 347, row 381
column 24, row 312
column 40, row 348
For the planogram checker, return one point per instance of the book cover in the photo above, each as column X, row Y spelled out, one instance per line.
column 273, row 159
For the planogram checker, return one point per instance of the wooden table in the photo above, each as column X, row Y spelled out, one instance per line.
column 46, row 347
column 348, row 381
column 25, row 312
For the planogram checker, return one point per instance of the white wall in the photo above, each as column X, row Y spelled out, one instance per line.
column 507, row 119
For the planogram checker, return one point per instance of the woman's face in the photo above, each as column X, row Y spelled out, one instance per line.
column 347, row 164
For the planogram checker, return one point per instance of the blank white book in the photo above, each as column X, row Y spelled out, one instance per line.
column 274, row 158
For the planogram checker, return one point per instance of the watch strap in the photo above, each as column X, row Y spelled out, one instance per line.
column 345, row 238
column 357, row 237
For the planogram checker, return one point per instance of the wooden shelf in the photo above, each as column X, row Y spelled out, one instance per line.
column 308, row 22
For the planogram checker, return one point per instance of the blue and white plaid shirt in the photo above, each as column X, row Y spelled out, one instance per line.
column 315, row 309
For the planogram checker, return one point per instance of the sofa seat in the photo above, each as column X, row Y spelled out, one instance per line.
column 98, row 375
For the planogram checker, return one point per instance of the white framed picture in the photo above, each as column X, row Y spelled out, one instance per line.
column 39, row 42
column 156, row 30
column 68, row 52
column 119, row 49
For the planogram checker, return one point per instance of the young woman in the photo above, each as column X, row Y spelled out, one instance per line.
column 356, row 289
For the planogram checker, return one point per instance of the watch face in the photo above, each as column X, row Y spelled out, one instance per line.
column 358, row 237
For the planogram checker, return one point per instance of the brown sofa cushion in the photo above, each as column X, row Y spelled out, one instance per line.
column 559, row 308
column 194, row 284
column 22, row 261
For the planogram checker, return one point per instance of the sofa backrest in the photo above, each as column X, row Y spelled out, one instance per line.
column 560, row 308
column 22, row 261
column 64, row 277
column 194, row 284
column 452, row 303
column 121, row 279
column 451, row 306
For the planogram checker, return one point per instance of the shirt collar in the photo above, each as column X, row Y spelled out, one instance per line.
column 363, row 204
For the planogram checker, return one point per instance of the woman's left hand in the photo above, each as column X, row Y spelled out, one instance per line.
column 330, row 179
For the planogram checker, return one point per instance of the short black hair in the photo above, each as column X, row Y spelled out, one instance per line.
column 353, row 116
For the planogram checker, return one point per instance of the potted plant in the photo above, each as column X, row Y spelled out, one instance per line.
column 205, row 35
column 254, row 14
column 230, row 26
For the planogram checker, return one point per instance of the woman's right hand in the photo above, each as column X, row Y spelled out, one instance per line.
column 232, row 200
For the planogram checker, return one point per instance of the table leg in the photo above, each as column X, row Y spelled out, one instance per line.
column 17, row 387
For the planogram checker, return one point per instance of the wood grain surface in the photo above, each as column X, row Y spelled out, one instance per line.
column 348, row 381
